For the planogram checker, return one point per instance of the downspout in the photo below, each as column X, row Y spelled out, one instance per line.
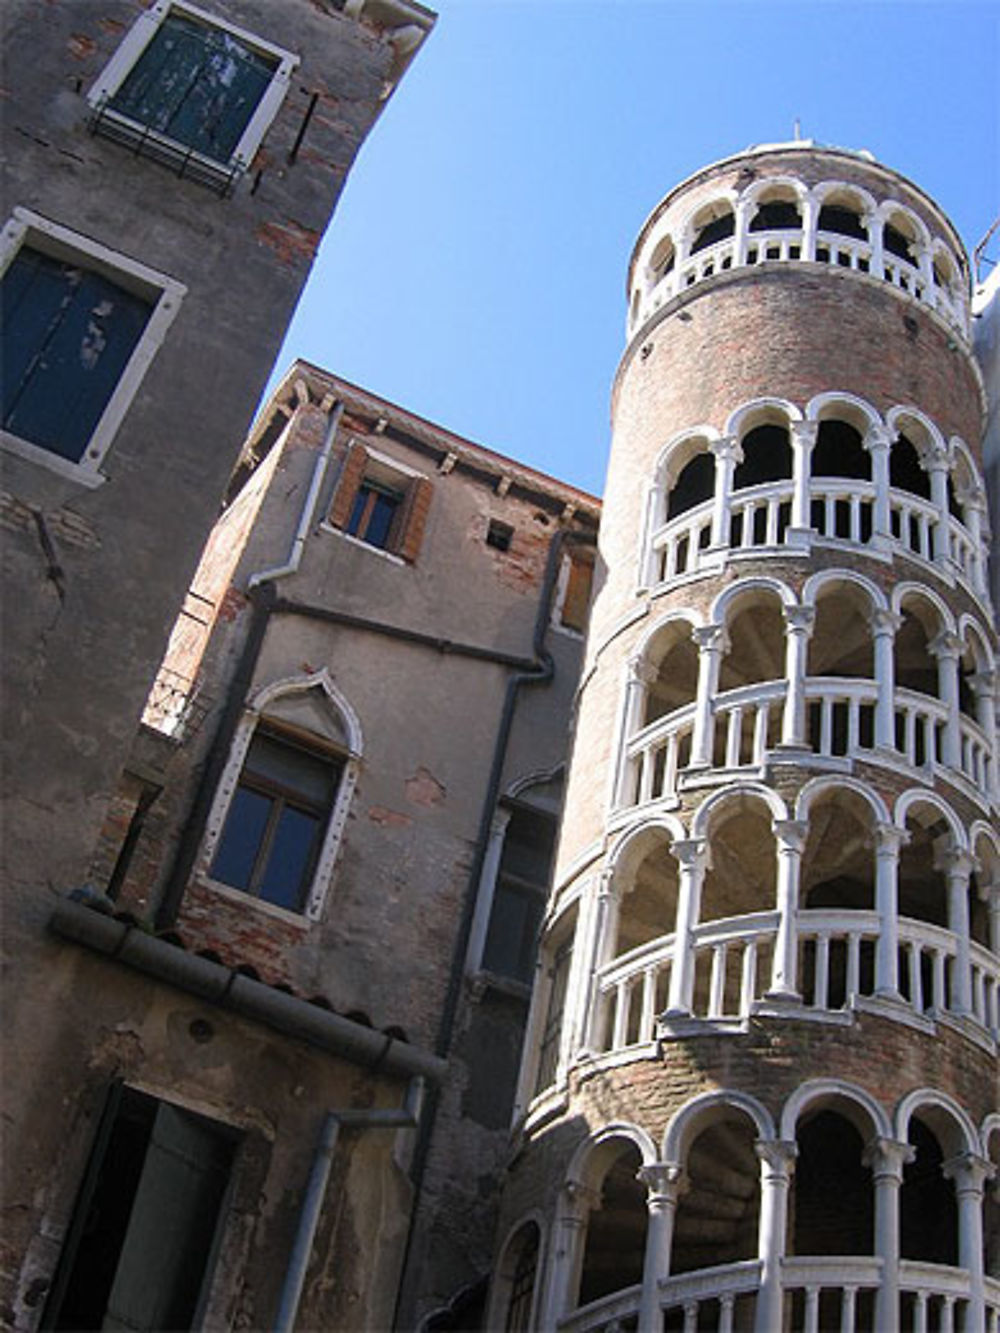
column 407, row 1117
column 308, row 509
column 541, row 673
column 261, row 592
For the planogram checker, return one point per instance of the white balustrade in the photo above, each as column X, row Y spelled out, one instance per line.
column 838, row 956
column 912, row 521
column 784, row 243
column 654, row 756
column 706, row 263
column 843, row 251
column 616, row 1313
column 708, row 1297
column 962, row 549
column 920, row 724
column 903, row 275
column 677, row 543
column 842, row 1278
column 759, row 515
column 842, row 507
column 975, row 752
column 747, row 723
column 992, row 1287
column 935, row 1295
column 841, row 715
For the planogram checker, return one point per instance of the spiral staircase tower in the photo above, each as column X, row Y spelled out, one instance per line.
column 760, row 1082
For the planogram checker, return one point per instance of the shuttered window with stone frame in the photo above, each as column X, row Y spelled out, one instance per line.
column 380, row 504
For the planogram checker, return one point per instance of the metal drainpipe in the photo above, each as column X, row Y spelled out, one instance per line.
column 295, row 1275
column 543, row 672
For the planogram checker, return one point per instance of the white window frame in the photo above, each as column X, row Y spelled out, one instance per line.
column 253, row 715
column 164, row 294
column 139, row 36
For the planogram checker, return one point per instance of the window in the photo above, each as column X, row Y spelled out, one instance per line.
column 274, row 829
column 138, row 1244
column 79, row 325
column 576, row 580
column 191, row 90
column 499, row 535
column 519, row 894
column 275, row 825
column 558, row 980
column 381, row 502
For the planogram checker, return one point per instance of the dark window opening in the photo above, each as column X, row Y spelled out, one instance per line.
column 498, row 535
column 896, row 243
column 277, row 819
column 196, row 84
column 616, row 1232
column 519, row 896
column 767, row 456
column 374, row 513
column 716, row 230
column 905, row 472
column 66, row 336
column 138, row 1245
column 928, row 1211
column 523, row 1284
column 843, row 221
column 833, row 1199
column 694, row 486
column 776, row 215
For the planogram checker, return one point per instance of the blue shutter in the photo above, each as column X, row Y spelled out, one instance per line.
column 66, row 335
column 197, row 85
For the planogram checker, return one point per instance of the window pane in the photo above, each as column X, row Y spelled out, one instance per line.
column 242, row 837
column 510, row 940
column 67, row 334
column 197, row 84
column 380, row 520
column 291, row 858
column 310, row 776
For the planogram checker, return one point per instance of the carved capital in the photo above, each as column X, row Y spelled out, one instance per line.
column 889, row 839
column 878, row 439
column 884, row 622
column 945, row 646
column 969, row 1171
column 799, row 619
column 777, row 1157
column 887, row 1157
column 691, row 853
column 791, row 834
column 664, row 1181
column 727, row 449
column 804, row 435
column 956, row 863
column 711, row 638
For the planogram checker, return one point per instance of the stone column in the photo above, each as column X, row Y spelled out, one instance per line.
column 957, row 866
column 873, row 225
column 804, row 435
column 799, row 622
column 810, row 217
column 692, row 858
column 974, row 504
column 713, row 644
column 947, row 649
column 641, row 675
column 884, row 625
column 655, row 517
column 983, row 685
column 744, row 213
column 791, row 839
column 601, row 950
column 663, row 1181
column 937, row 464
column 878, row 442
column 487, row 888
column 888, row 840
column 566, row 1260
column 970, row 1174
column 993, row 908
column 777, row 1161
column 887, row 1157
column 728, row 453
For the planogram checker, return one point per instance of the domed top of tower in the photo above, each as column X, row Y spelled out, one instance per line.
column 800, row 202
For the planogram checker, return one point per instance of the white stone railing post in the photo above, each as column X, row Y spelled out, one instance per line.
column 947, row 649
column 974, row 505
column 745, row 211
column 728, row 452
column 777, row 1161
column 600, row 950
column 873, row 225
column 888, row 840
column 810, row 217
column 663, row 1181
column 692, row 860
column 878, row 442
column 884, row 625
column 566, row 1262
column 957, row 866
column 713, row 644
column 970, row 1174
column 790, row 835
column 799, row 622
column 886, row 1158
column 641, row 674
column 804, row 435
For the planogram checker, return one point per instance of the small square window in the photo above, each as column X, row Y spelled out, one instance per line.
column 381, row 503
column 192, row 90
column 79, row 325
column 499, row 535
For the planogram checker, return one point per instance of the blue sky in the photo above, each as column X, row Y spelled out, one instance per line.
column 474, row 271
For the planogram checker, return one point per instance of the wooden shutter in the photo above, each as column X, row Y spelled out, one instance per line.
column 351, row 476
column 413, row 518
column 577, row 598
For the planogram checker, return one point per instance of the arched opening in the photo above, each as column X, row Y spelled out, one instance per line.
column 714, row 223
column 517, row 1273
column 899, row 238
column 776, row 214
column 991, row 1210
column 694, row 485
column 843, row 218
column 556, row 960
column 922, row 895
column 676, row 681
column 717, row 1215
column 755, row 628
column 841, row 646
column 833, row 1206
column 840, row 452
column 661, row 261
column 743, row 873
column 906, row 473
column 767, row 456
column 838, row 874
column 928, row 1210
column 647, row 885
column 915, row 665
column 616, row 1228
